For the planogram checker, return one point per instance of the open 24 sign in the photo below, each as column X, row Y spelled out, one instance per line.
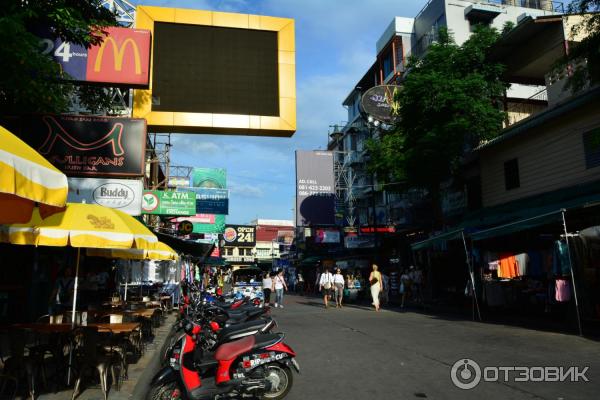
column 241, row 235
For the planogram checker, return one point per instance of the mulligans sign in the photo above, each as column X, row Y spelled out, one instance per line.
column 159, row 202
column 86, row 146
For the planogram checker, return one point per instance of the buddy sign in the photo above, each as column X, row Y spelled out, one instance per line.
column 123, row 58
column 159, row 202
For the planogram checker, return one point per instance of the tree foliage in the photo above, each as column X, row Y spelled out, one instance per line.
column 588, row 48
column 448, row 105
column 30, row 81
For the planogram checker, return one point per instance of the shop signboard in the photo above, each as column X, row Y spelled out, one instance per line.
column 123, row 57
column 240, row 235
column 327, row 236
column 86, row 146
column 211, row 201
column 315, row 188
column 179, row 181
column 359, row 242
column 122, row 194
column 160, row 202
column 209, row 178
column 379, row 102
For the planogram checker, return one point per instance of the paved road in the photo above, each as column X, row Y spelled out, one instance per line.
column 356, row 353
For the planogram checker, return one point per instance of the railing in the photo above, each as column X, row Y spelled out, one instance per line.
column 526, row 109
column 548, row 5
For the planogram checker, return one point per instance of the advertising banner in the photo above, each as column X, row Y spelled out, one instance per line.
column 240, row 235
column 315, row 188
column 160, row 202
column 123, row 58
column 211, row 201
column 327, row 236
column 122, row 194
column 209, row 178
column 359, row 242
column 83, row 145
column 379, row 102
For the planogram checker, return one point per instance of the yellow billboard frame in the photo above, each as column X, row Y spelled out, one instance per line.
column 259, row 125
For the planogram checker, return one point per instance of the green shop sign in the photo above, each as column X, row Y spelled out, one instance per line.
column 160, row 202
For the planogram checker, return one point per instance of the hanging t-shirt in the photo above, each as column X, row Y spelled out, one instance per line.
column 522, row 262
column 563, row 290
column 561, row 265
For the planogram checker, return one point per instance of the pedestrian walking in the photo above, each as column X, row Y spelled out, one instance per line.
column 376, row 283
column 325, row 285
column 267, row 284
column 405, row 283
column 385, row 291
column 279, row 286
column 338, row 283
column 300, row 284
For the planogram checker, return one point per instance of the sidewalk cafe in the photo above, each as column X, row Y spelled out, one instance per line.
column 63, row 321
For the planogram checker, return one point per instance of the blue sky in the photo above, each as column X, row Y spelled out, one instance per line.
column 335, row 44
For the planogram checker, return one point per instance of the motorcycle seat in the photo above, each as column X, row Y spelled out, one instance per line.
column 241, row 328
column 262, row 341
column 231, row 350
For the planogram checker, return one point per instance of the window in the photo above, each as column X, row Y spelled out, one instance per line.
column 591, row 148
column 511, row 174
column 228, row 251
column 388, row 64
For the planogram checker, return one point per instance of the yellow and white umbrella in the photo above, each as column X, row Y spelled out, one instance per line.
column 83, row 225
column 27, row 178
column 162, row 252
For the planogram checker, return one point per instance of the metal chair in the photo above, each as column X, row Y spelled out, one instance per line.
column 89, row 355
column 20, row 364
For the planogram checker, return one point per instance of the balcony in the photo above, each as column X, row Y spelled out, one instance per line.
column 518, row 111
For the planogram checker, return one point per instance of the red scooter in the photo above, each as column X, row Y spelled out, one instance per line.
column 255, row 366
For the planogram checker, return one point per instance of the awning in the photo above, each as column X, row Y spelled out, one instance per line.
column 187, row 247
column 215, row 261
column 517, row 226
column 455, row 234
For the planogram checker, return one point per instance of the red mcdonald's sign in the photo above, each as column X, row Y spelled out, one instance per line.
column 122, row 58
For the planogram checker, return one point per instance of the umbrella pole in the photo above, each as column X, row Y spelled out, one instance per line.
column 70, row 368
column 127, row 269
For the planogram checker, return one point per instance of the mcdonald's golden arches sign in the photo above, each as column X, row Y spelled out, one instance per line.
column 122, row 58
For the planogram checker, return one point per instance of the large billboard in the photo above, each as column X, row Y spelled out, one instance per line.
column 216, row 72
column 86, row 146
column 122, row 194
column 123, row 58
column 315, row 188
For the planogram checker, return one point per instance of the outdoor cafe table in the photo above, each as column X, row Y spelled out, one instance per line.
column 125, row 327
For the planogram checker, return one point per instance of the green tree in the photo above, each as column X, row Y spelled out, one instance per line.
column 448, row 105
column 30, row 81
column 588, row 48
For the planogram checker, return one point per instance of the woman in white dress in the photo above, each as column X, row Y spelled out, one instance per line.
column 376, row 285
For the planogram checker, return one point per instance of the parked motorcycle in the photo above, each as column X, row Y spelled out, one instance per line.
column 254, row 366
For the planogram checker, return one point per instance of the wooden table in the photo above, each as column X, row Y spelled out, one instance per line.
column 42, row 327
column 125, row 327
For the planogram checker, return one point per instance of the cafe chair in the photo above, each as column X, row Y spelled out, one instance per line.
column 21, row 364
column 8, row 387
column 90, row 355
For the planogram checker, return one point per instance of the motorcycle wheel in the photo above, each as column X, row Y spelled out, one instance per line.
column 168, row 391
column 281, row 379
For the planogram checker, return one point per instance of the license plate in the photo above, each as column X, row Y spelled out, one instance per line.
column 295, row 364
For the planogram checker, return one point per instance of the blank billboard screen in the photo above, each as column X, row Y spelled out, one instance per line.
column 209, row 69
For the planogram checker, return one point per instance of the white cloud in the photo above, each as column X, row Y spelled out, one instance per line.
column 245, row 190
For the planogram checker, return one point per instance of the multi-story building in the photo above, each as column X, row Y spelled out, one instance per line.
column 361, row 199
column 268, row 235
